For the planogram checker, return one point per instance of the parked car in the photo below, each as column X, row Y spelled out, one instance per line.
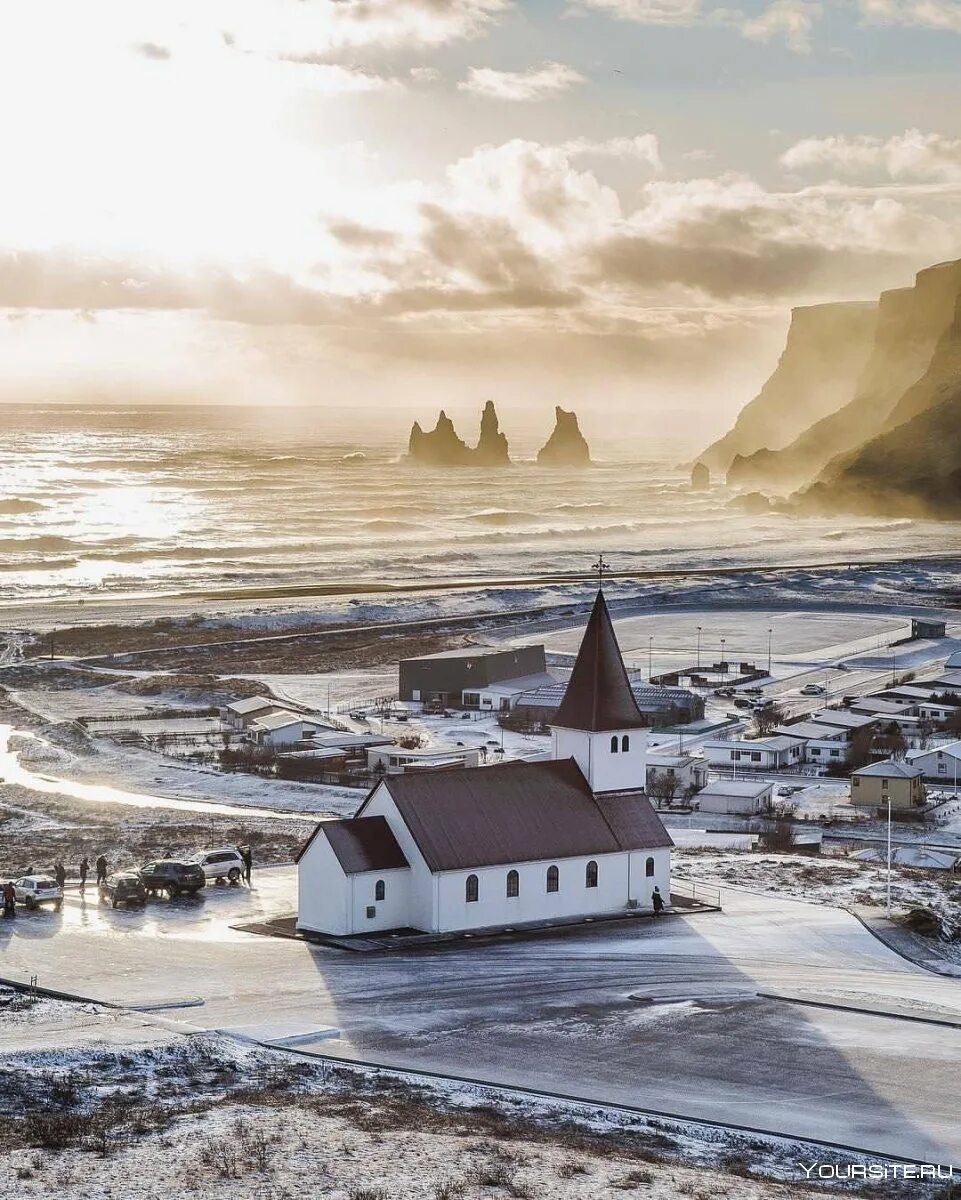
column 220, row 864
column 813, row 689
column 34, row 890
column 741, row 702
column 724, row 691
column 124, row 887
column 173, row 877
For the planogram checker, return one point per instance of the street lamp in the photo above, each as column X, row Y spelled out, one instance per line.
column 770, row 634
column 723, row 641
column 889, row 857
column 699, row 628
column 650, row 657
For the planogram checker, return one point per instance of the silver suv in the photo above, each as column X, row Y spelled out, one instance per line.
column 34, row 890
column 220, row 864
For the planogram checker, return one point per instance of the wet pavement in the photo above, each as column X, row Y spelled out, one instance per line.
column 660, row 1015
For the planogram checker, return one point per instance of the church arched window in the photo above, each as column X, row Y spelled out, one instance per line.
column 614, row 744
column 553, row 879
column 471, row 889
column 590, row 875
column 649, row 868
column 380, row 890
column 513, row 884
column 625, row 743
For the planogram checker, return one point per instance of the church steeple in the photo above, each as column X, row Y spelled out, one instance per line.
column 599, row 696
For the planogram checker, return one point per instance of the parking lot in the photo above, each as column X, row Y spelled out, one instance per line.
column 663, row 1015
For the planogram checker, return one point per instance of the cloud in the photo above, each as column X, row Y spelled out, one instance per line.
column 425, row 74
column 928, row 14
column 335, row 78
column 153, row 50
column 536, row 83
column 905, row 156
column 643, row 147
column 791, row 20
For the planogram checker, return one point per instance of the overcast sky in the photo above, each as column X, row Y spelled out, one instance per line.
column 605, row 203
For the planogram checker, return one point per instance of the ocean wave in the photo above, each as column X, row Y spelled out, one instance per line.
column 12, row 505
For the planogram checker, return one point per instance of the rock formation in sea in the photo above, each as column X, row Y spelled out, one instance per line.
column 700, row 477
column 910, row 323
column 492, row 449
column 440, row 446
column 566, row 447
column 827, row 347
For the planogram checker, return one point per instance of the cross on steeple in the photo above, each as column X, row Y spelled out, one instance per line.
column 602, row 568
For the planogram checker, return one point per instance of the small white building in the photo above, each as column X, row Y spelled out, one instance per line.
column 283, row 728
column 502, row 696
column 736, row 797
column 509, row 844
column 690, row 772
column 240, row 714
column 942, row 763
column 756, row 754
column 937, row 710
column 393, row 760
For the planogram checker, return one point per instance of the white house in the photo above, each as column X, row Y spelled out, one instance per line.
column 240, row 714
column 393, row 760
column 504, row 694
column 283, row 728
column 741, row 797
column 938, row 762
column 503, row 845
column 690, row 772
column 755, row 754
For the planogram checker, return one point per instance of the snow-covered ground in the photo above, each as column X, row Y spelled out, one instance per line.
column 84, row 1112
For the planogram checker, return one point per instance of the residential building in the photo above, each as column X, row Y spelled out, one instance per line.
column 240, row 714
column 755, row 754
column 444, row 678
column 901, row 783
column 504, row 845
column 938, row 763
column 502, row 697
column 393, row 760
column 736, row 797
column 282, row 728
column 689, row 771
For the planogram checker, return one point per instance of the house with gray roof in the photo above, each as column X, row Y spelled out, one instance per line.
column 488, row 847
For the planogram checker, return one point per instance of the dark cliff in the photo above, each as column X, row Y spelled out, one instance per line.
column 566, row 447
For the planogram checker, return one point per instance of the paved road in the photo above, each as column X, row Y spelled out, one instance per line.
column 570, row 1013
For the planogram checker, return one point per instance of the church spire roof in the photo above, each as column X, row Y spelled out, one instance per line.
column 599, row 695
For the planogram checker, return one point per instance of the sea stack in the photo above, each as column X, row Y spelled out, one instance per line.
column 700, row 477
column 440, row 447
column 492, row 449
column 566, row 446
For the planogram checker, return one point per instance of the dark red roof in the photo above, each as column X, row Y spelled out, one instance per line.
column 599, row 695
column 361, row 844
column 518, row 812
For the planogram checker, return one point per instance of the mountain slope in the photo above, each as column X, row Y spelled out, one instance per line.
column 910, row 324
column 827, row 346
column 913, row 468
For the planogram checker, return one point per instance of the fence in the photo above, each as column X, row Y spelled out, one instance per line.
column 691, row 891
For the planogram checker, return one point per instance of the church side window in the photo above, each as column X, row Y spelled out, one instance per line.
column 649, row 868
column 380, row 890
column 553, row 879
column 590, row 875
column 513, row 884
column 625, row 743
column 471, row 889
column 614, row 744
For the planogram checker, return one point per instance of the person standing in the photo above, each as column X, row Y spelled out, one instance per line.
column 247, row 855
column 84, row 868
column 9, row 899
column 60, row 873
column 101, row 870
column 658, row 901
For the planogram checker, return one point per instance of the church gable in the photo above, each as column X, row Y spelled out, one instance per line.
column 599, row 695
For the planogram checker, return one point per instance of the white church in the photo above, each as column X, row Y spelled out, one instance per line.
column 484, row 847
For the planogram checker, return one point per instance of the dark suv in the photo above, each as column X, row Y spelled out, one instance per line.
column 124, row 887
column 173, row 877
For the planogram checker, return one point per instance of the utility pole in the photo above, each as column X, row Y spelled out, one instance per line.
column 723, row 642
column 770, row 634
column 889, row 856
column 699, row 628
column 650, row 658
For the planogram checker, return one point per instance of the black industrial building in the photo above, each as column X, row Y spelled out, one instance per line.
column 442, row 678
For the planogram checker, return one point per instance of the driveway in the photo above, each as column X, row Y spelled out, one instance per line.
column 573, row 1013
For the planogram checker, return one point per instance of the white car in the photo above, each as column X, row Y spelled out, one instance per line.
column 34, row 890
column 220, row 864
column 813, row 689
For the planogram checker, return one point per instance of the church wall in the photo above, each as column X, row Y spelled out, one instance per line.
column 421, row 886
column 534, row 903
column 393, row 912
column 604, row 770
column 642, row 885
column 323, row 890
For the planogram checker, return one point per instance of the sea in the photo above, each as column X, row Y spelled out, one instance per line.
column 103, row 500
